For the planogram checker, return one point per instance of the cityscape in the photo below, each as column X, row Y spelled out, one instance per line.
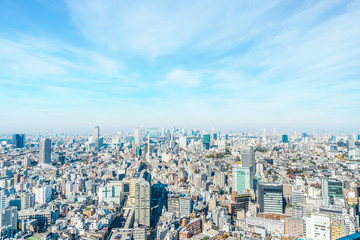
column 174, row 120
column 180, row 184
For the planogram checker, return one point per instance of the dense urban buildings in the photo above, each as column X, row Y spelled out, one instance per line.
column 179, row 184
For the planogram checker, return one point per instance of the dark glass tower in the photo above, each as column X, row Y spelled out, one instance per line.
column 19, row 140
column 270, row 197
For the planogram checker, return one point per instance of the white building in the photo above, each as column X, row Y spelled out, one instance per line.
column 317, row 227
column 186, row 207
column 183, row 141
column 111, row 192
column 43, row 195
column 142, row 202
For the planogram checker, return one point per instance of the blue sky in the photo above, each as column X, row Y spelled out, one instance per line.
column 66, row 66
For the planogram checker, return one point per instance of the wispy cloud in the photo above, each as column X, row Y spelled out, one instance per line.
column 277, row 61
column 25, row 56
column 156, row 28
column 182, row 78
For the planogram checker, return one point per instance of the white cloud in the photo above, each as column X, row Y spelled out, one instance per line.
column 106, row 65
column 159, row 27
column 183, row 78
column 26, row 57
column 22, row 61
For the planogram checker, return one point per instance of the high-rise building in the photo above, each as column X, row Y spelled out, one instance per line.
column 317, row 227
column 8, row 217
column 220, row 179
column 148, row 146
column 350, row 144
column 297, row 211
column 111, row 192
column 138, row 151
column 142, row 202
column 206, row 141
column 218, row 214
column 248, row 157
column 27, row 201
column 183, row 141
column 285, row 138
column 45, row 151
column 215, row 136
column 270, row 197
column 297, row 196
column 43, row 194
column 97, row 140
column 336, row 231
column 242, row 178
column 3, row 202
column 153, row 132
column 294, row 227
column 332, row 188
column 240, row 202
column 19, row 140
column 186, row 206
column 96, row 132
column 174, row 204
column 138, row 135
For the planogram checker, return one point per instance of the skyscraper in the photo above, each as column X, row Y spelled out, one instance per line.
column 142, row 202
column 45, row 151
column 27, row 200
column 9, row 217
column 19, row 140
column 153, row 132
column 332, row 188
column 138, row 135
column 96, row 132
column 97, row 140
column 3, row 202
column 297, row 196
column 242, row 178
column 183, row 141
column 248, row 158
column 220, row 179
column 285, row 138
column 43, row 194
column 206, row 141
column 215, row 136
column 270, row 197
column 186, row 206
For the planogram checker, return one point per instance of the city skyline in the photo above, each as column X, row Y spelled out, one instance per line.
column 71, row 65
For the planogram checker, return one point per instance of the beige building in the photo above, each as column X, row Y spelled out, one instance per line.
column 335, row 231
column 294, row 227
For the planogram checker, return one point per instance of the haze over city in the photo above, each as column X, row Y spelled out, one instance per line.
column 66, row 66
